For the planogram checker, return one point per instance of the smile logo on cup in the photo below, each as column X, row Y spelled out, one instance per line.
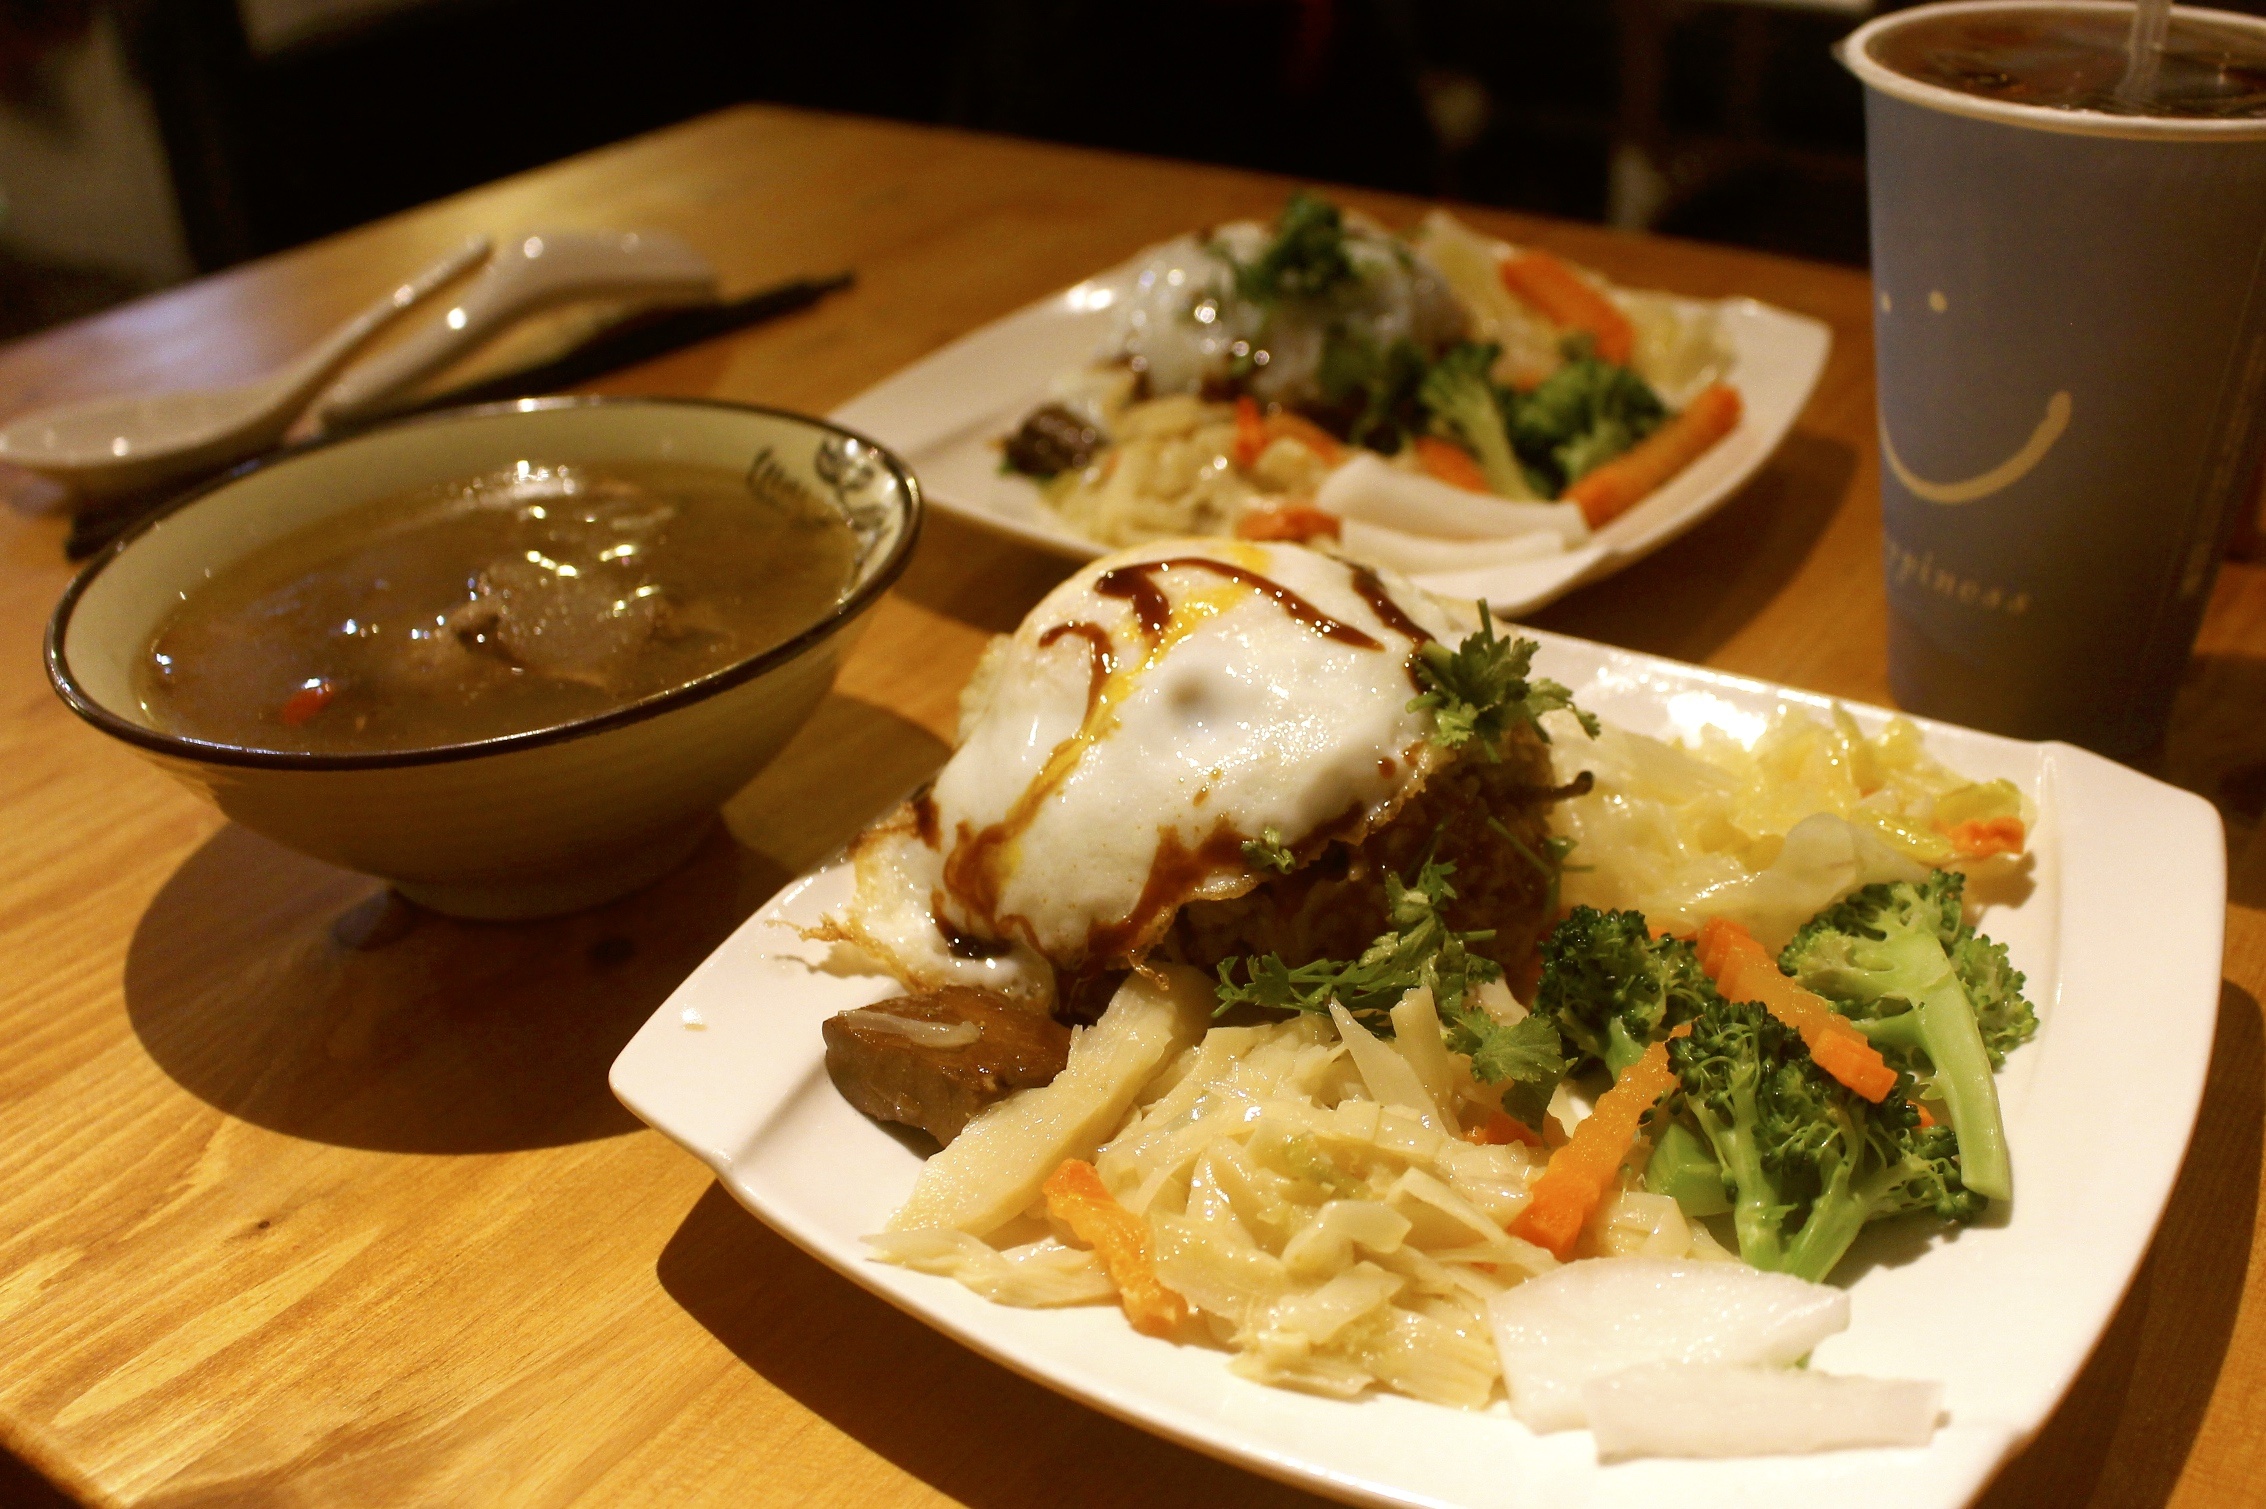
column 2000, row 477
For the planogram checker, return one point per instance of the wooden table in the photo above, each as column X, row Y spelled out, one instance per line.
column 299, row 1207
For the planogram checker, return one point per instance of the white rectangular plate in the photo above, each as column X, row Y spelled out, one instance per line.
column 2004, row 1312
column 946, row 414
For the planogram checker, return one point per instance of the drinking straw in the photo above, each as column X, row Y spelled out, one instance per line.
column 2144, row 53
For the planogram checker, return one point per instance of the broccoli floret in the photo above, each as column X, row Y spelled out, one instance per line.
column 1582, row 416
column 1994, row 988
column 1806, row 1162
column 1853, row 1162
column 1613, row 988
column 1725, row 1065
column 1884, row 957
column 1682, row 1168
column 1464, row 406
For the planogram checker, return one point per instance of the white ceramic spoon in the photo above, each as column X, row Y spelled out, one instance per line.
column 534, row 271
column 105, row 446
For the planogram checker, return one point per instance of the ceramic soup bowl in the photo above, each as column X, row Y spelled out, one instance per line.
column 532, row 823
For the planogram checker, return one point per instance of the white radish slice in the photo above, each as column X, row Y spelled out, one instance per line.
column 1679, row 1410
column 1372, row 490
column 1606, row 1315
column 1416, row 554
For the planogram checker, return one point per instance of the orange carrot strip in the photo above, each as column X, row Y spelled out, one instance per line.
column 1744, row 971
column 1608, row 491
column 1567, row 300
column 1296, row 520
column 1450, row 463
column 1250, row 431
column 306, row 702
column 1501, row 1127
column 1926, row 1120
column 1981, row 837
column 1284, row 425
column 1579, row 1174
column 1076, row 1196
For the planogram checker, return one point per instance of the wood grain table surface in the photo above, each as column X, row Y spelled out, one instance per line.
column 300, row 1205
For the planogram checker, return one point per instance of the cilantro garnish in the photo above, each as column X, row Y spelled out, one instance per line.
column 1306, row 259
column 1526, row 1058
column 1266, row 852
column 1421, row 949
column 1481, row 690
column 1550, row 863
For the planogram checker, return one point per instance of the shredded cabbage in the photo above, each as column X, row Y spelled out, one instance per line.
column 1310, row 1192
column 1766, row 835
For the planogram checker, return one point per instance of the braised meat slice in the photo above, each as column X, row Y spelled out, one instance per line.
column 932, row 1061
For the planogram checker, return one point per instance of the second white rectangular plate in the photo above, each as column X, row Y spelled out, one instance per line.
column 2122, row 924
column 946, row 414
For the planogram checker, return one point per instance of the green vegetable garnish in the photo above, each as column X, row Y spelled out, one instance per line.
column 1266, row 852
column 1466, row 408
column 1305, row 260
column 1932, row 994
column 1481, row 690
column 1375, row 387
column 1613, row 989
column 1421, row 950
column 1806, row 1161
column 1525, row 1058
column 1582, row 416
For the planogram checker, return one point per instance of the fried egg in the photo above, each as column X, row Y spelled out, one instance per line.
column 1137, row 743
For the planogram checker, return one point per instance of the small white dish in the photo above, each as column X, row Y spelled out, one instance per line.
column 2004, row 1313
column 947, row 413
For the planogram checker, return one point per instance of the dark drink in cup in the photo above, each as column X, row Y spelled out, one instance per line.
column 2070, row 316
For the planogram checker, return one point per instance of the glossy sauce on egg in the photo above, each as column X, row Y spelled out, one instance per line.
column 1153, row 715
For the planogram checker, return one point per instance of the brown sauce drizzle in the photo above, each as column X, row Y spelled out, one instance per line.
column 1388, row 612
column 1173, row 873
column 1137, row 584
column 968, row 869
column 965, row 945
column 924, row 814
column 1101, row 649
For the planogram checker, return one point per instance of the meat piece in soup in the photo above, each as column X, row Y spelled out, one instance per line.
column 521, row 600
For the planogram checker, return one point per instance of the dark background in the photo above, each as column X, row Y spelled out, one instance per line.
column 1748, row 130
column 1741, row 126
column 1511, row 102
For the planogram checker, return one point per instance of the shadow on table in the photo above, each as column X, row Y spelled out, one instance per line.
column 22, row 1486
column 970, row 1429
column 310, row 1000
column 2216, row 748
column 985, row 580
column 2124, row 1433
column 1703, row 588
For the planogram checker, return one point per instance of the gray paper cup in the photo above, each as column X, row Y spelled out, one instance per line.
column 2070, row 316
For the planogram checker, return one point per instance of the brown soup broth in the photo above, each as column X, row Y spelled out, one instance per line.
column 521, row 600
